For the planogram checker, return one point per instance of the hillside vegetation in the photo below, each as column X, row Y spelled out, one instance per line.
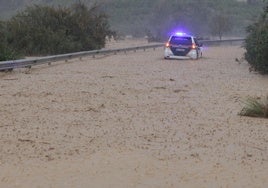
column 158, row 17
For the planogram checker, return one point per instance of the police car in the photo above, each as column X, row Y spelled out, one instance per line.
column 183, row 46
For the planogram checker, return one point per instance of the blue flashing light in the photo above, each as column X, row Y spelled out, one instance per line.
column 180, row 34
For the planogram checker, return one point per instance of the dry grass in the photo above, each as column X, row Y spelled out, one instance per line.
column 255, row 107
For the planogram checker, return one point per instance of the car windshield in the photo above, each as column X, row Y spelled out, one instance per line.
column 177, row 40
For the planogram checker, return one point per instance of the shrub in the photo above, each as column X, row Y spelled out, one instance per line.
column 255, row 108
column 43, row 30
column 256, row 44
column 5, row 52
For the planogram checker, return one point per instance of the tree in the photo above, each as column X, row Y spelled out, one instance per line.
column 220, row 25
column 256, row 43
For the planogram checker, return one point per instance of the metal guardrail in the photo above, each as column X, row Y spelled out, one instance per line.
column 238, row 41
column 27, row 63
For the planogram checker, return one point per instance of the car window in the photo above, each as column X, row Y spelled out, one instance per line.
column 181, row 40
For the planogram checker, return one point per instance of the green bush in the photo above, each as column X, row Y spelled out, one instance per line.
column 5, row 52
column 256, row 44
column 43, row 30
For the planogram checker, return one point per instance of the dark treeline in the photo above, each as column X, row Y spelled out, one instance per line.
column 160, row 17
